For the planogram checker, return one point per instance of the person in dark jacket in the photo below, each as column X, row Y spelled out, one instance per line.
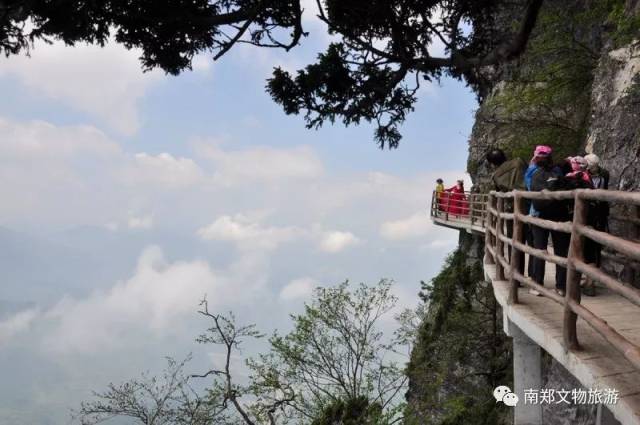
column 598, row 218
column 507, row 176
column 541, row 153
column 544, row 178
column 599, row 176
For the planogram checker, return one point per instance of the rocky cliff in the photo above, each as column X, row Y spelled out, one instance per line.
column 577, row 88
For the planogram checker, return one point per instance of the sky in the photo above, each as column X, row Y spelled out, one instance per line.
column 128, row 196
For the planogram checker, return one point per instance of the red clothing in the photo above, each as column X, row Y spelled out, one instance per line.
column 458, row 204
column 442, row 200
column 584, row 176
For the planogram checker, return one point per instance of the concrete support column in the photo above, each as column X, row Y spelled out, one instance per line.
column 527, row 374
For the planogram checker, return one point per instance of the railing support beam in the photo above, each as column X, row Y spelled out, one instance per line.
column 576, row 252
column 527, row 373
column 499, row 242
column 488, row 241
column 517, row 256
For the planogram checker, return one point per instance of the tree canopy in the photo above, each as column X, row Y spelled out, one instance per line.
column 334, row 367
column 385, row 47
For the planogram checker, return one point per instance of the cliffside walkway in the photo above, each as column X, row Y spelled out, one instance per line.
column 602, row 349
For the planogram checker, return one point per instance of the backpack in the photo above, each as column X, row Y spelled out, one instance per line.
column 552, row 180
column 510, row 175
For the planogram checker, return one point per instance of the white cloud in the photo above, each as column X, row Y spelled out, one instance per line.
column 261, row 163
column 163, row 169
column 155, row 298
column 298, row 288
column 337, row 241
column 143, row 222
column 16, row 324
column 106, row 83
column 247, row 233
column 414, row 226
column 42, row 140
column 202, row 63
column 47, row 171
column 112, row 226
column 78, row 175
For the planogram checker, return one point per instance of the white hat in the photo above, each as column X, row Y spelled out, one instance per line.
column 593, row 162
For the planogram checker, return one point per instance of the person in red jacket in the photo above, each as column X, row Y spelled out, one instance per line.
column 458, row 204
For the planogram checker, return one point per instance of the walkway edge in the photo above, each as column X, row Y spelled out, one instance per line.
column 625, row 410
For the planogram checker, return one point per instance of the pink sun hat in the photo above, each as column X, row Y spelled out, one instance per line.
column 542, row 150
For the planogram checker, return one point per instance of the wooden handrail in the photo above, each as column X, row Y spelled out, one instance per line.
column 574, row 262
column 489, row 212
column 627, row 248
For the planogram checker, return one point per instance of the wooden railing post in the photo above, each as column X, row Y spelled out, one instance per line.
column 636, row 233
column 446, row 210
column 472, row 207
column 499, row 244
column 485, row 208
column 488, row 241
column 434, row 204
column 576, row 253
column 517, row 257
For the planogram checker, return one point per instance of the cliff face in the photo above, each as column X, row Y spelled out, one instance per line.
column 614, row 132
column 577, row 88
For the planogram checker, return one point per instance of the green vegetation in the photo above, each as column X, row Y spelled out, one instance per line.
column 351, row 412
column 335, row 367
column 384, row 50
column 461, row 353
column 546, row 98
column 626, row 26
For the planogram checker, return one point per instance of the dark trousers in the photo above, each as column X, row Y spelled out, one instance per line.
column 519, row 253
column 592, row 252
column 560, row 248
column 597, row 218
column 529, row 236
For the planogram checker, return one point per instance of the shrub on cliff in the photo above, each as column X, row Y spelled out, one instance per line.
column 461, row 353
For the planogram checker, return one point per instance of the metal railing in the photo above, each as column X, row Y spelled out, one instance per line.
column 511, row 269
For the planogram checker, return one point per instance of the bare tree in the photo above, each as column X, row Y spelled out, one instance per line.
column 229, row 335
column 334, row 356
column 154, row 401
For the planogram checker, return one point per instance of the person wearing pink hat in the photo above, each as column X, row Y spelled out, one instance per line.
column 580, row 172
column 541, row 152
column 557, row 211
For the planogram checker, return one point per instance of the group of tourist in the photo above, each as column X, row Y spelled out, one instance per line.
column 451, row 200
column 542, row 173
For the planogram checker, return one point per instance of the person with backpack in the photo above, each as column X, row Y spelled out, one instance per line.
column 546, row 177
column 507, row 176
column 541, row 152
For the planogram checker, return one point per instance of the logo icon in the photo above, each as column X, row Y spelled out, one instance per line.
column 503, row 393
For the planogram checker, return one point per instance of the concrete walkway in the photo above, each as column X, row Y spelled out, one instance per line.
column 597, row 364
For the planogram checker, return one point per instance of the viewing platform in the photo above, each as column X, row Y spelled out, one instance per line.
column 596, row 339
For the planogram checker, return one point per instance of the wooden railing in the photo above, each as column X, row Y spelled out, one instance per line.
column 467, row 207
column 510, row 207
